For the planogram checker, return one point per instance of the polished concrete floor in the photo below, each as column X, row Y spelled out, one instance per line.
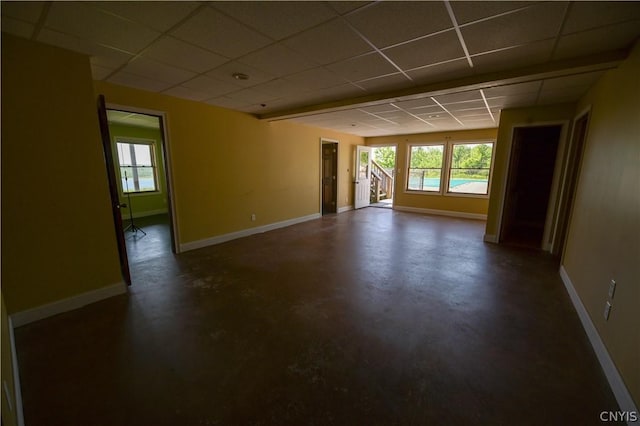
column 153, row 241
column 373, row 317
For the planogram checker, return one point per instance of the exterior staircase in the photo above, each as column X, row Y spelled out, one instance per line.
column 381, row 183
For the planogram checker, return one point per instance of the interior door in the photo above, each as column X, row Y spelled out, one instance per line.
column 329, row 177
column 113, row 189
column 363, row 176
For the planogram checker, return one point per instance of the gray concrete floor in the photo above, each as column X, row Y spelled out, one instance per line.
column 373, row 317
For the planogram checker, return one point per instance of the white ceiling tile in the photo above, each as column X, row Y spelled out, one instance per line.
column 211, row 86
column 437, row 48
column 100, row 73
column 343, row 7
column 277, row 19
column 186, row 93
column 412, row 104
column 17, row 27
column 225, row 73
column 137, row 82
column 463, row 106
column 212, row 30
column 515, row 57
column 586, row 15
column 410, row 20
column 82, row 21
column 385, row 83
column 281, row 88
column 344, row 91
column 472, row 112
column 450, row 70
column 100, row 55
column 28, row 11
column 330, row 42
column 598, row 40
column 363, row 67
column 538, row 22
column 468, row 11
column 251, row 96
column 316, row 78
column 277, row 60
column 175, row 52
column 155, row 70
column 159, row 15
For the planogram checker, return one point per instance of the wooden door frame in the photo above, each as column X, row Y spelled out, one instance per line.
column 168, row 170
column 326, row 141
column 552, row 209
column 395, row 167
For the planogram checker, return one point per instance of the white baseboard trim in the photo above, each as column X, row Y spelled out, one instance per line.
column 45, row 311
column 490, row 238
column 345, row 209
column 125, row 213
column 463, row 215
column 218, row 239
column 625, row 401
column 17, row 390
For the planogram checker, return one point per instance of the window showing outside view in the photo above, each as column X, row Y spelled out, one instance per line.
column 470, row 166
column 425, row 168
column 137, row 171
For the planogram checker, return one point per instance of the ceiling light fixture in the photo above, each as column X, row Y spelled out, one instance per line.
column 240, row 76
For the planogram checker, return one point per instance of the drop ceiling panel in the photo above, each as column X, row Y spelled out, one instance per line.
column 363, row 67
column 277, row 19
column 586, row 15
column 598, row 40
column 225, row 73
column 214, row 31
column 468, row 11
column 410, row 20
column 426, row 51
column 158, row 15
column 539, row 22
column 86, row 22
column 514, row 57
column 157, row 71
column 330, row 42
column 472, row 112
column 316, row 78
column 385, row 83
column 100, row 73
column 210, row 86
column 251, row 96
column 281, row 88
column 178, row 53
column 417, row 104
column 580, row 80
column 25, row 11
column 100, row 55
column 132, row 80
column 450, row 70
column 343, row 7
column 277, row 60
column 454, row 98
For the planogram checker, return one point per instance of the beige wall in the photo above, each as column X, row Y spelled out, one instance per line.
column 519, row 117
column 604, row 233
column 227, row 165
column 57, row 228
column 448, row 202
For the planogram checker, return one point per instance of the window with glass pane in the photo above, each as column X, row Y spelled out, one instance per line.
column 470, row 167
column 425, row 168
column 137, row 168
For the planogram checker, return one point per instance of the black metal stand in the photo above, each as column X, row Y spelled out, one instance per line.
column 132, row 226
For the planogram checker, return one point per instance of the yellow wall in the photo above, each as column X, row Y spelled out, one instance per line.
column 57, row 229
column 9, row 416
column 144, row 203
column 604, row 234
column 433, row 201
column 510, row 118
column 228, row 165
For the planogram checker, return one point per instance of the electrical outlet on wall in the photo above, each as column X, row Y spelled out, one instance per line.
column 253, row 217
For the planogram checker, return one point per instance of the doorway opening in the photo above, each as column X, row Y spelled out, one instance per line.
column 529, row 182
column 137, row 166
column 383, row 172
column 329, row 170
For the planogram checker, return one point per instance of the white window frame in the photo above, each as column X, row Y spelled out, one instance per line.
column 154, row 164
column 446, row 168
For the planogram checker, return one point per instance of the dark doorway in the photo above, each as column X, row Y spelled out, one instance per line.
column 329, row 177
column 533, row 159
